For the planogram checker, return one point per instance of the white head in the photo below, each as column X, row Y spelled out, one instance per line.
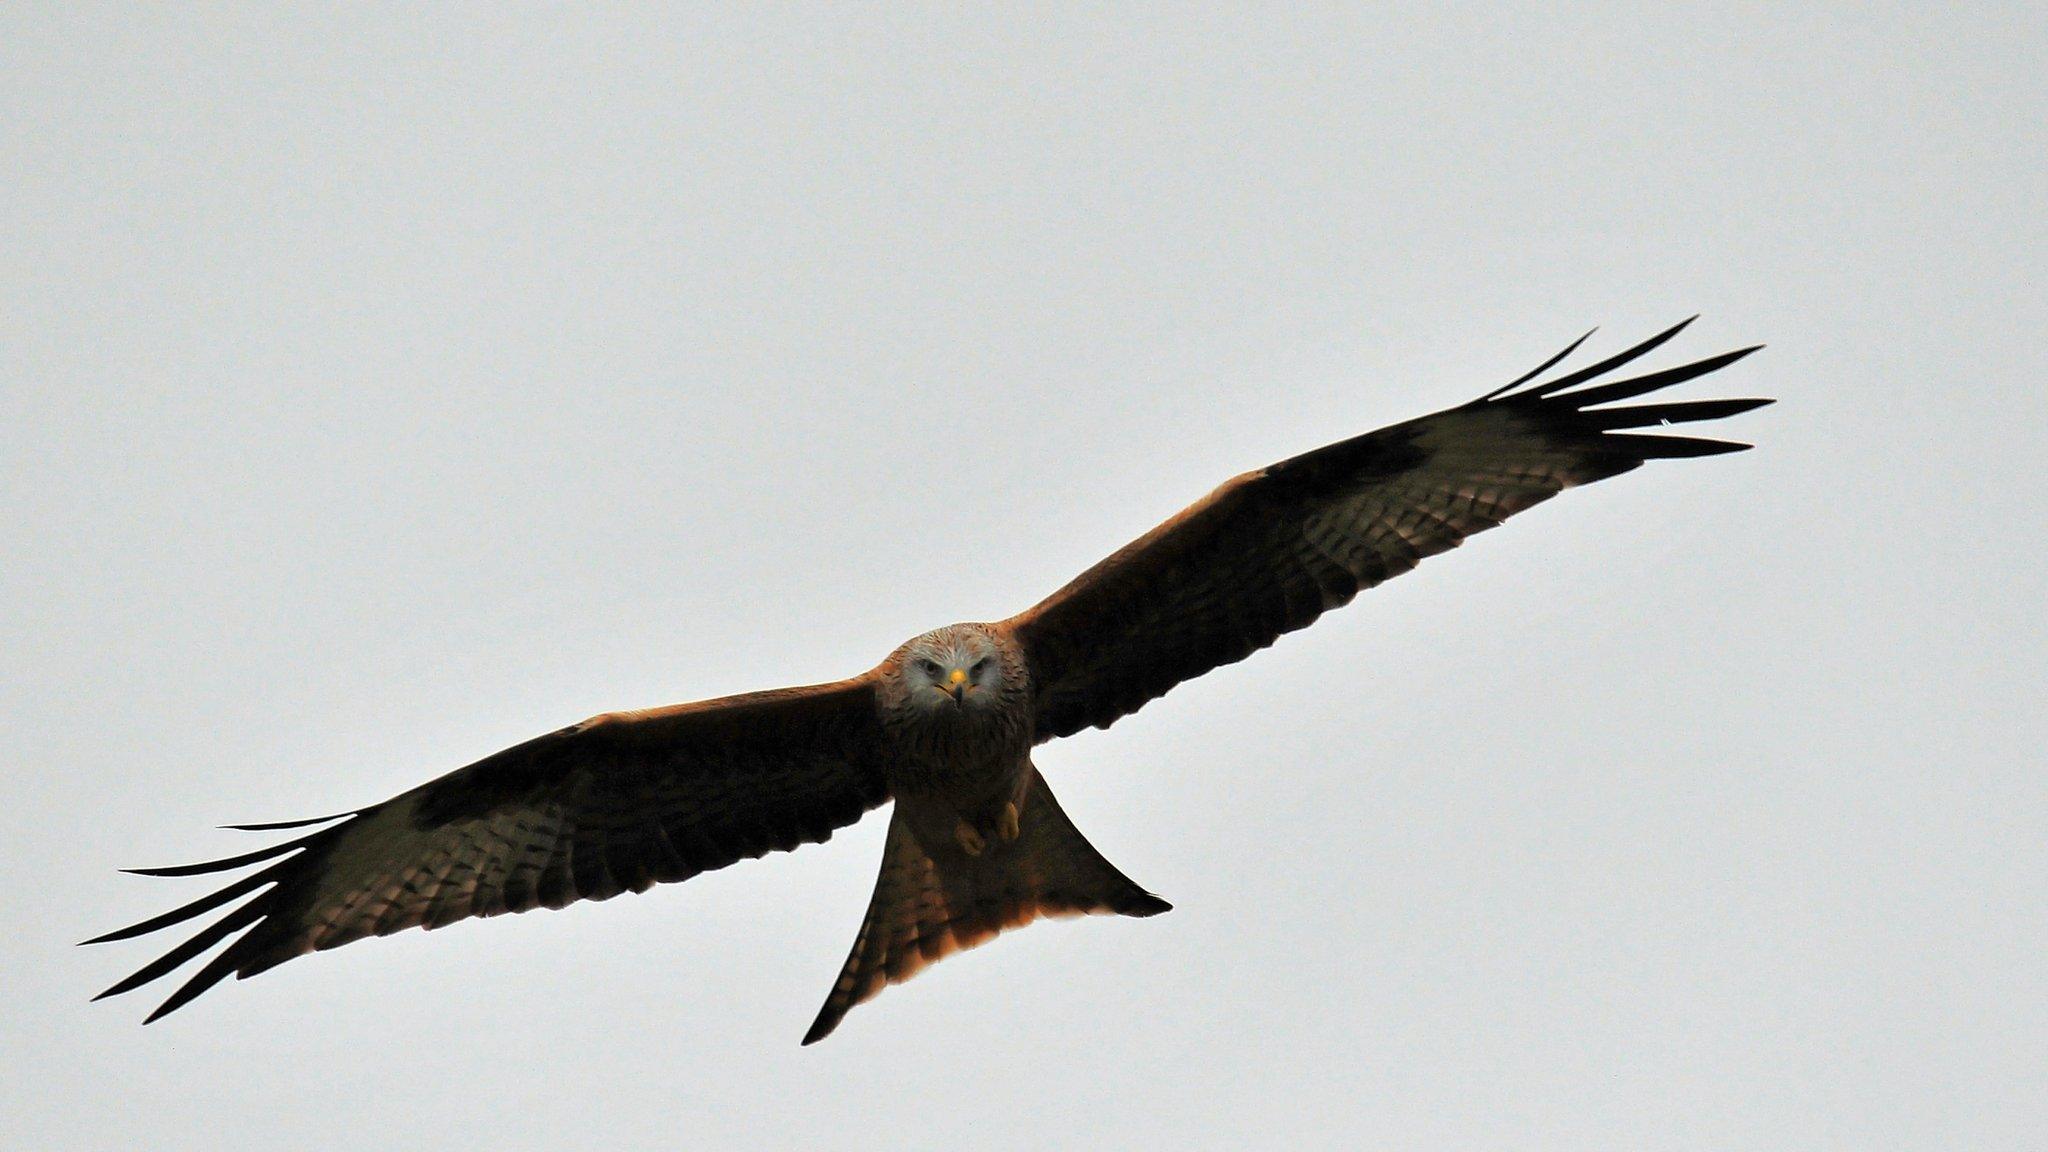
column 957, row 670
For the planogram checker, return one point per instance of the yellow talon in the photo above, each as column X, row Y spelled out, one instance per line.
column 971, row 841
column 1007, row 823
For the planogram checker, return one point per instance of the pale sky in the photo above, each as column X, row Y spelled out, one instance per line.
column 386, row 385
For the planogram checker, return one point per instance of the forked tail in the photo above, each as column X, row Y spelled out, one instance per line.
column 933, row 899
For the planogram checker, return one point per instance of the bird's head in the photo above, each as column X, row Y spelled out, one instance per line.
column 959, row 669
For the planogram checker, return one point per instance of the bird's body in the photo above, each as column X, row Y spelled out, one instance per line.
column 944, row 726
column 976, row 843
column 956, row 704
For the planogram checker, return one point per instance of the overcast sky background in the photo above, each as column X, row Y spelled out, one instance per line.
column 384, row 386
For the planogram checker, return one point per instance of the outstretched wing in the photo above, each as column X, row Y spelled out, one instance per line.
column 614, row 804
column 1272, row 550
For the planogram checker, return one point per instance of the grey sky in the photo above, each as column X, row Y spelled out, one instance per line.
column 383, row 386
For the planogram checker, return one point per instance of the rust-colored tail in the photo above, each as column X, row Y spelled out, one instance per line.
column 933, row 899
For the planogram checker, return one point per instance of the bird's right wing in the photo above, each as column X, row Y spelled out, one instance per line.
column 1272, row 550
column 614, row 804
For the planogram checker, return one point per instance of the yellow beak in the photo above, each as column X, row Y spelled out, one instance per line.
column 956, row 683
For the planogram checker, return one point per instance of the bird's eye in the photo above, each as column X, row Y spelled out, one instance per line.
column 980, row 666
column 930, row 668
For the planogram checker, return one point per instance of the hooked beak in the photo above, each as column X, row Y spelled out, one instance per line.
column 956, row 684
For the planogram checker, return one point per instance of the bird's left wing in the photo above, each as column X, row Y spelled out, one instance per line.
column 614, row 804
column 1271, row 550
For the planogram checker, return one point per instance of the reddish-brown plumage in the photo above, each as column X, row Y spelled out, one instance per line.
column 945, row 724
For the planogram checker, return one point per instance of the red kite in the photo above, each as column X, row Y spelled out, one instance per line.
column 945, row 725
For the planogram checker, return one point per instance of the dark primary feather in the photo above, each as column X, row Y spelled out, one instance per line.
column 612, row 805
column 1272, row 550
column 278, row 825
column 1620, row 358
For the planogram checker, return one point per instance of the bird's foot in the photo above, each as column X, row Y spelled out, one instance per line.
column 971, row 840
column 1007, row 822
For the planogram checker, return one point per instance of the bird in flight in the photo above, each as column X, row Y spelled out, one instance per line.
column 945, row 725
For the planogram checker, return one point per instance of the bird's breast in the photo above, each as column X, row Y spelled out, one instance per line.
column 960, row 764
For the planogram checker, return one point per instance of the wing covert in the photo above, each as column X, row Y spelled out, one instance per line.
column 614, row 804
column 1272, row 550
